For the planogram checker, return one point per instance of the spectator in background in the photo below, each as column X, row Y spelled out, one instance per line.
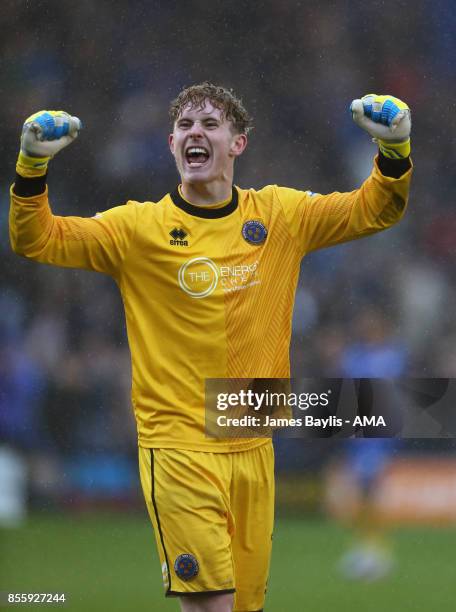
column 370, row 556
column 373, row 350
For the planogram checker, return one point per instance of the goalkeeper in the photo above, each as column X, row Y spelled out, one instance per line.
column 191, row 315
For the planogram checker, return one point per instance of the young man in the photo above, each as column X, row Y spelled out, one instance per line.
column 207, row 276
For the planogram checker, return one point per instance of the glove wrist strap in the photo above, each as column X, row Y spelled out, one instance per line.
column 30, row 167
column 394, row 150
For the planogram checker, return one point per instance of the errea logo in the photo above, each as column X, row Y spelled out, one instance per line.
column 178, row 236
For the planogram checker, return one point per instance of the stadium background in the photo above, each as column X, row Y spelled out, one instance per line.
column 382, row 307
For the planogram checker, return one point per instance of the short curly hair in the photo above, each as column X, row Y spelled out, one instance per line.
column 222, row 98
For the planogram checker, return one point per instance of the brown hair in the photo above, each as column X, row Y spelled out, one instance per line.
column 222, row 98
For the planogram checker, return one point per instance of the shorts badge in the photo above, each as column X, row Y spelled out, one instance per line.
column 186, row 566
column 254, row 232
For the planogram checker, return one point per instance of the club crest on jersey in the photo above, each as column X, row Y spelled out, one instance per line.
column 186, row 566
column 178, row 236
column 254, row 232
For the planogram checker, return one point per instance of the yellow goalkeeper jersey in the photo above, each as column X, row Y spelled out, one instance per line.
column 208, row 293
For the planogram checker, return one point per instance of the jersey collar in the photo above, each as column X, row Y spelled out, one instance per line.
column 205, row 213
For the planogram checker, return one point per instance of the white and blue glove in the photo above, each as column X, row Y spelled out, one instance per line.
column 387, row 119
column 44, row 134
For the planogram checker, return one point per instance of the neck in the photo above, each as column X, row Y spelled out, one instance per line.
column 204, row 194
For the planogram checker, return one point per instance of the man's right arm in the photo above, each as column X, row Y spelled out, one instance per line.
column 99, row 243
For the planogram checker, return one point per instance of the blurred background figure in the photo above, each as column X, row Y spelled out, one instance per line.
column 370, row 556
column 374, row 350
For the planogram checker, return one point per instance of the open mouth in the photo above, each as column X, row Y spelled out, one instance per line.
column 196, row 156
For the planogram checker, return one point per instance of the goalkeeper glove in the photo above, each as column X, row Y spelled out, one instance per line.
column 43, row 135
column 387, row 120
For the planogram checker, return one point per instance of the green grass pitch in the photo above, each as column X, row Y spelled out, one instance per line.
column 108, row 563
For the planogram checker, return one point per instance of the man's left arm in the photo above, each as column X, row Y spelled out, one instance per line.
column 318, row 221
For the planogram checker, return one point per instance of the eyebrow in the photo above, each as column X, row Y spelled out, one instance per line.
column 204, row 119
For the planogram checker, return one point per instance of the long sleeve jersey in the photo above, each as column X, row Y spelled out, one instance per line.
column 207, row 292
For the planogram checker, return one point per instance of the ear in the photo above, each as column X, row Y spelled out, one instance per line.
column 171, row 143
column 238, row 144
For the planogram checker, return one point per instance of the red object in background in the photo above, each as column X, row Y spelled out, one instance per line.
column 415, row 490
column 440, row 235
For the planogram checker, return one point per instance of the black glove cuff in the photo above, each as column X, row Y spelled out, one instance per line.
column 394, row 168
column 28, row 187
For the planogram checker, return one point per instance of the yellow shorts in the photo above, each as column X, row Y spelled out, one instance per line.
column 212, row 515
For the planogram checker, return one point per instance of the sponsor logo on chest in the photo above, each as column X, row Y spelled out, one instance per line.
column 200, row 276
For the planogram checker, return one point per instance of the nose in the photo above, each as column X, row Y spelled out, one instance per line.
column 196, row 130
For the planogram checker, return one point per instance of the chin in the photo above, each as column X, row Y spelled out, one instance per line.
column 196, row 176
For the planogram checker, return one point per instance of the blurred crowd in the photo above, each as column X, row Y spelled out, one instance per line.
column 382, row 306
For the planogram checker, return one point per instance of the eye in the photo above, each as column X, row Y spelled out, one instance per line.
column 184, row 125
column 211, row 124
